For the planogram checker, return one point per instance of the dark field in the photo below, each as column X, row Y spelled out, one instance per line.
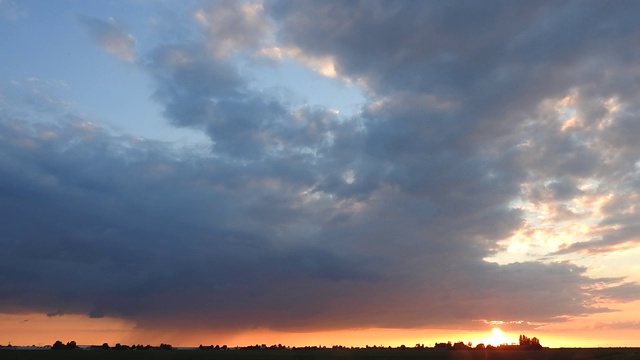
column 436, row 354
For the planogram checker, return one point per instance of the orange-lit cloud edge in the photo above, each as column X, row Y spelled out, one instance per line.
column 600, row 330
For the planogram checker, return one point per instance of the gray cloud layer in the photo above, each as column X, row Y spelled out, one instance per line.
column 299, row 219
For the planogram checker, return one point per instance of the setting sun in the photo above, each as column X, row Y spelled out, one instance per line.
column 497, row 337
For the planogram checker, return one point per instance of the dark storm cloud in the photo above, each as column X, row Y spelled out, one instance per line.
column 106, row 225
column 299, row 219
column 113, row 226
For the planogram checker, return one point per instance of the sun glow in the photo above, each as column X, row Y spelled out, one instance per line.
column 497, row 337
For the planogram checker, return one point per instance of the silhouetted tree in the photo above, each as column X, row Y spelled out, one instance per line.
column 460, row 346
column 58, row 345
column 530, row 344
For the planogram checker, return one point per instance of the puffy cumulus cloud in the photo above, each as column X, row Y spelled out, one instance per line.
column 479, row 118
column 110, row 36
column 580, row 169
column 322, row 65
column 234, row 26
column 200, row 91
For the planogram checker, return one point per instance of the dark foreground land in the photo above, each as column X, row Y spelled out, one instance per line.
column 326, row 354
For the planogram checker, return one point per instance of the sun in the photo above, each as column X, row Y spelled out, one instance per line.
column 497, row 337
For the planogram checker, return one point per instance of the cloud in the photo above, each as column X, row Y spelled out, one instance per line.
column 531, row 99
column 126, row 229
column 55, row 313
column 619, row 325
column 299, row 219
column 110, row 36
column 624, row 292
column 233, row 26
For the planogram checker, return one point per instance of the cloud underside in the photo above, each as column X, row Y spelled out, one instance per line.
column 300, row 219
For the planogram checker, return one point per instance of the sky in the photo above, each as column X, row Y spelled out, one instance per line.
column 319, row 172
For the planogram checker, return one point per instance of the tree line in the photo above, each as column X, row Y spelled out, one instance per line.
column 525, row 343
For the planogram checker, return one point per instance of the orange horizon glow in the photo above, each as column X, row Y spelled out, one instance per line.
column 40, row 330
